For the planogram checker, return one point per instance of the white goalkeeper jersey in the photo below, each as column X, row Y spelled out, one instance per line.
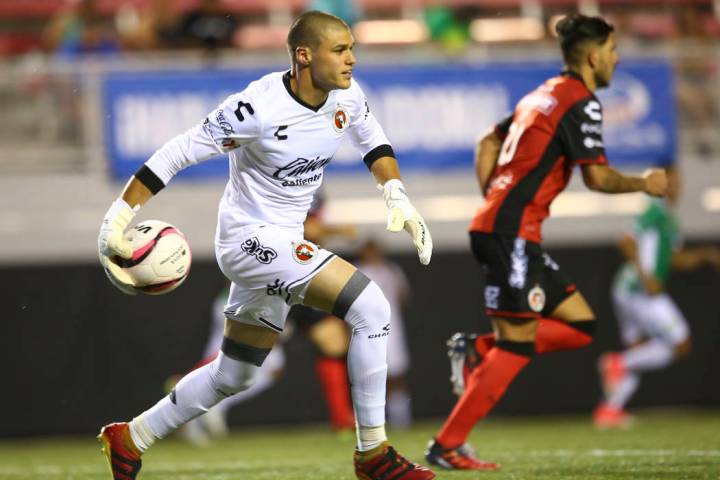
column 279, row 147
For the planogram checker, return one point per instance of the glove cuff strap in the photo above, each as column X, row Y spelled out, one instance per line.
column 394, row 189
column 120, row 212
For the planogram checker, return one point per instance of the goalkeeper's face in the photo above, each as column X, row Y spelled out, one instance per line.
column 333, row 59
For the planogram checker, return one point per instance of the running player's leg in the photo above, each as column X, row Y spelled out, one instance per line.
column 486, row 384
column 514, row 298
column 348, row 294
column 243, row 350
column 613, row 376
column 667, row 339
column 566, row 320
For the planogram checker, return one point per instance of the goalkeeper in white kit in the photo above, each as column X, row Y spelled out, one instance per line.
column 280, row 132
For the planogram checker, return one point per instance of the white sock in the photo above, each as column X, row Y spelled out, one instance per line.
column 651, row 355
column 263, row 380
column 624, row 390
column 369, row 315
column 399, row 409
column 140, row 432
column 370, row 437
column 197, row 392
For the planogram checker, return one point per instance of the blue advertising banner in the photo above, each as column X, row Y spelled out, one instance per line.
column 432, row 114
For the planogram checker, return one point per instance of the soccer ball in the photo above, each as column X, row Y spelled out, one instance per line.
column 161, row 257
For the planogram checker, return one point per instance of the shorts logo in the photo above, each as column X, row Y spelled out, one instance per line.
column 252, row 246
column 536, row 298
column 385, row 332
column 304, row 252
column 492, row 295
column 278, row 288
column 519, row 265
column 340, row 120
column 549, row 262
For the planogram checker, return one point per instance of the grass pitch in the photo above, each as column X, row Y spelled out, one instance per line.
column 662, row 445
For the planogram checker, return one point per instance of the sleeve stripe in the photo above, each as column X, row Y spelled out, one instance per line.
column 380, row 151
column 148, row 178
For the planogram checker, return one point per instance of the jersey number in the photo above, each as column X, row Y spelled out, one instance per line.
column 511, row 143
column 238, row 111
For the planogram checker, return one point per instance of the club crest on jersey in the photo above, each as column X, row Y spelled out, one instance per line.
column 304, row 252
column 341, row 119
column 536, row 298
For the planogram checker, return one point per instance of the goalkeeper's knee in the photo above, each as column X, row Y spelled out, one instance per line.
column 236, row 366
column 362, row 304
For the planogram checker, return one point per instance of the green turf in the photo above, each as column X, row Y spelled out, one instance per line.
column 663, row 445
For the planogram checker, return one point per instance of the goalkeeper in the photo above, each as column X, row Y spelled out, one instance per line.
column 280, row 132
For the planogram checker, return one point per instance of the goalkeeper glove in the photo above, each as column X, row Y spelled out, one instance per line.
column 402, row 215
column 111, row 241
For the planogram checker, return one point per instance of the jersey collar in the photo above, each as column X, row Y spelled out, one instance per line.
column 571, row 74
column 286, row 82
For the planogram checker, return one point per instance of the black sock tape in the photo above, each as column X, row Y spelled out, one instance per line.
column 243, row 352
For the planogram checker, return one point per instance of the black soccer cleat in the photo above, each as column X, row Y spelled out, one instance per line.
column 463, row 359
column 459, row 458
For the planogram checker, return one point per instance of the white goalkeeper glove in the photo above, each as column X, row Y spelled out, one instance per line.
column 402, row 215
column 111, row 241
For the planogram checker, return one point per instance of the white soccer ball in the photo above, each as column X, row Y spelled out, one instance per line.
column 161, row 257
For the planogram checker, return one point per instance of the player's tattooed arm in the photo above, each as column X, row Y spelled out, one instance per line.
column 487, row 151
column 603, row 178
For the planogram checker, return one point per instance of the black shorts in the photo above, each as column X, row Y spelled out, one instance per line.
column 305, row 317
column 522, row 280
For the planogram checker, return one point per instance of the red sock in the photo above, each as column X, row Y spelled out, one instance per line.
column 332, row 373
column 554, row 335
column 487, row 385
column 483, row 344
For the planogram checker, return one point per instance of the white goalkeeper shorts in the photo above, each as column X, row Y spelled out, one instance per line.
column 649, row 316
column 270, row 268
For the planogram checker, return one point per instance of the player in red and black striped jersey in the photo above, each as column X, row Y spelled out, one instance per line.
column 522, row 165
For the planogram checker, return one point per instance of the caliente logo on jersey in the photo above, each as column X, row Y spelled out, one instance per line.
column 304, row 252
column 341, row 119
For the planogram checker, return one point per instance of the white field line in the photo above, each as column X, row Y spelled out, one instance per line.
column 636, row 452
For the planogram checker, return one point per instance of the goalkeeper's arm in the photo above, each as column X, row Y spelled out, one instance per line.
column 111, row 240
column 401, row 214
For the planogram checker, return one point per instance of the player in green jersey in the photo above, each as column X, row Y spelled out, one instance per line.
column 652, row 328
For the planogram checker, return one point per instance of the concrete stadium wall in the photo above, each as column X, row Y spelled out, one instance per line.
column 77, row 354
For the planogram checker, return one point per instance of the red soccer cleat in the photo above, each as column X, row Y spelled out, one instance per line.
column 122, row 455
column 606, row 417
column 460, row 458
column 612, row 370
column 389, row 465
